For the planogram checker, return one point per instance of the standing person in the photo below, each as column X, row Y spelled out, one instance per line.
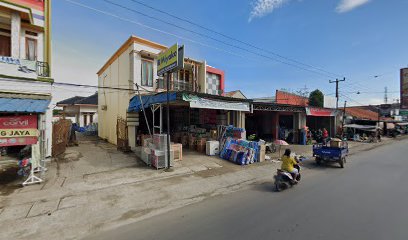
column 319, row 136
column 325, row 135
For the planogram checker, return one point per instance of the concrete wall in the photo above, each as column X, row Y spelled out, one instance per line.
column 116, row 101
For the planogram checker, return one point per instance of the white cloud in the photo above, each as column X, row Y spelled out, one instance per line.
column 348, row 5
column 261, row 8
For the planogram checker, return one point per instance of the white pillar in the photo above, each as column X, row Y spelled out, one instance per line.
column 15, row 34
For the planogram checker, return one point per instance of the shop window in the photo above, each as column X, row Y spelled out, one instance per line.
column 147, row 73
column 184, row 75
column 31, row 49
column 5, row 46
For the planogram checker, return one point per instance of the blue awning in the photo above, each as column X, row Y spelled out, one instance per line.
column 26, row 105
column 135, row 105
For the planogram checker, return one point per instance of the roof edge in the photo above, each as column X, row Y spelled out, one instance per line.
column 132, row 39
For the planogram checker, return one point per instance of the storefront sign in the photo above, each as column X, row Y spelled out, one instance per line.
column 6, row 133
column 404, row 88
column 320, row 112
column 171, row 59
column 18, row 130
column 17, row 141
column 198, row 102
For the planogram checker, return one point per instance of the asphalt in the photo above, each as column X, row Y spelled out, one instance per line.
column 365, row 200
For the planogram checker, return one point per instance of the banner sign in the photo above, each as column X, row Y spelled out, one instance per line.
column 18, row 130
column 198, row 102
column 4, row 142
column 404, row 88
column 169, row 60
column 320, row 112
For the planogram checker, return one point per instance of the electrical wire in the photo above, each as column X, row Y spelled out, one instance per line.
column 232, row 38
column 194, row 41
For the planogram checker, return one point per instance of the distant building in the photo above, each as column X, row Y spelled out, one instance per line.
column 83, row 110
column 235, row 94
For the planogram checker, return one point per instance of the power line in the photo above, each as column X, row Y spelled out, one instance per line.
column 203, row 44
column 231, row 38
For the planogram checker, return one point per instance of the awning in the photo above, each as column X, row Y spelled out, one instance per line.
column 199, row 102
column 23, row 105
column 194, row 100
column 320, row 112
column 361, row 127
column 148, row 100
column 403, row 124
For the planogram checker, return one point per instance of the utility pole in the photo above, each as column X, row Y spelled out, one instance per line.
column 344, row 120
column 337, row 90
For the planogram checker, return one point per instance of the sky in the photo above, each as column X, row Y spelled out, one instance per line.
column 294, row 44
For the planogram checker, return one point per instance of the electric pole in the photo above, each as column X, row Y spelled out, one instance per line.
column 344, row 120
column 337, row 90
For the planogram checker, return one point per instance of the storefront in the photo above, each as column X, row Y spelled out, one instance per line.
column 195, row 118
column 323, row 118
column 23, row 136
column 271, row 121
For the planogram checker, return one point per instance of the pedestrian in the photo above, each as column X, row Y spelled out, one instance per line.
column 325, row 135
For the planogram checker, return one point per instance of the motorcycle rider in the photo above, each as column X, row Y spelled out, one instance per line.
column 288, row 163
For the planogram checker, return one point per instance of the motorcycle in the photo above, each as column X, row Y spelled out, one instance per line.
column 284, row 179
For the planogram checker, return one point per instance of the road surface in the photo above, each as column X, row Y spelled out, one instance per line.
column 365, row 200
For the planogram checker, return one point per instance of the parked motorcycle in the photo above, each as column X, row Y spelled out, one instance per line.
column 284, row 179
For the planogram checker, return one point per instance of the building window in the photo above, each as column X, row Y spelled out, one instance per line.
column 147, row 73
column 31, row 49
column 85, row 120
column 5, row 46
column 91, row 115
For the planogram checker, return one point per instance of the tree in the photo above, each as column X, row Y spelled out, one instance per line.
column 316, row 98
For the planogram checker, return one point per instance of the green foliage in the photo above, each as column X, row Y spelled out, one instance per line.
column 316, row 98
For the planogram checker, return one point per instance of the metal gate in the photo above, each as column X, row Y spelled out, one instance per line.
column 122, row 135
column 60, row 136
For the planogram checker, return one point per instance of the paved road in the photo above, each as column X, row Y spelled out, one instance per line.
column 366, row 200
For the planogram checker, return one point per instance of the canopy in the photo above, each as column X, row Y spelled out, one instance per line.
column 403, row 124
column 23, row 105
column 194, row 100
column 320, row 112
column 199, row 102
column 148, row 100
column 362, row 127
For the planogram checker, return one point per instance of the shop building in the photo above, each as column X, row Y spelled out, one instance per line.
column 285, row 114
column 81, row 110
column 134, row 66
column 25, row 79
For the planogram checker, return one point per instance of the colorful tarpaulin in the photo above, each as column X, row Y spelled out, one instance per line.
column 135, row 105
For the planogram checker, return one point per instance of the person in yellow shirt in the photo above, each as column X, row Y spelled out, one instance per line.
column 288, row 163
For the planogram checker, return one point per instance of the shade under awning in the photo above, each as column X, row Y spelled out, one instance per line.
column 23, row 105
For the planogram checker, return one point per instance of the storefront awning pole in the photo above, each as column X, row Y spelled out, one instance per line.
column 143, row 110
column 168, row 121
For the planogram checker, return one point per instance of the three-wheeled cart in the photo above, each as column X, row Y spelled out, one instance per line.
column 336, row 152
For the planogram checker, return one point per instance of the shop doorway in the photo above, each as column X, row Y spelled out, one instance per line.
column 286, row 131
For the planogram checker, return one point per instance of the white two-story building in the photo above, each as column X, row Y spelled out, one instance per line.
column 134, row 66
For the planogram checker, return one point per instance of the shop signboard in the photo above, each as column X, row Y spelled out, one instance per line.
column 404, row 88
column 403, row 112
column 320, row 112
column 198, row 102
column 171, row 59
column 18, row 130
